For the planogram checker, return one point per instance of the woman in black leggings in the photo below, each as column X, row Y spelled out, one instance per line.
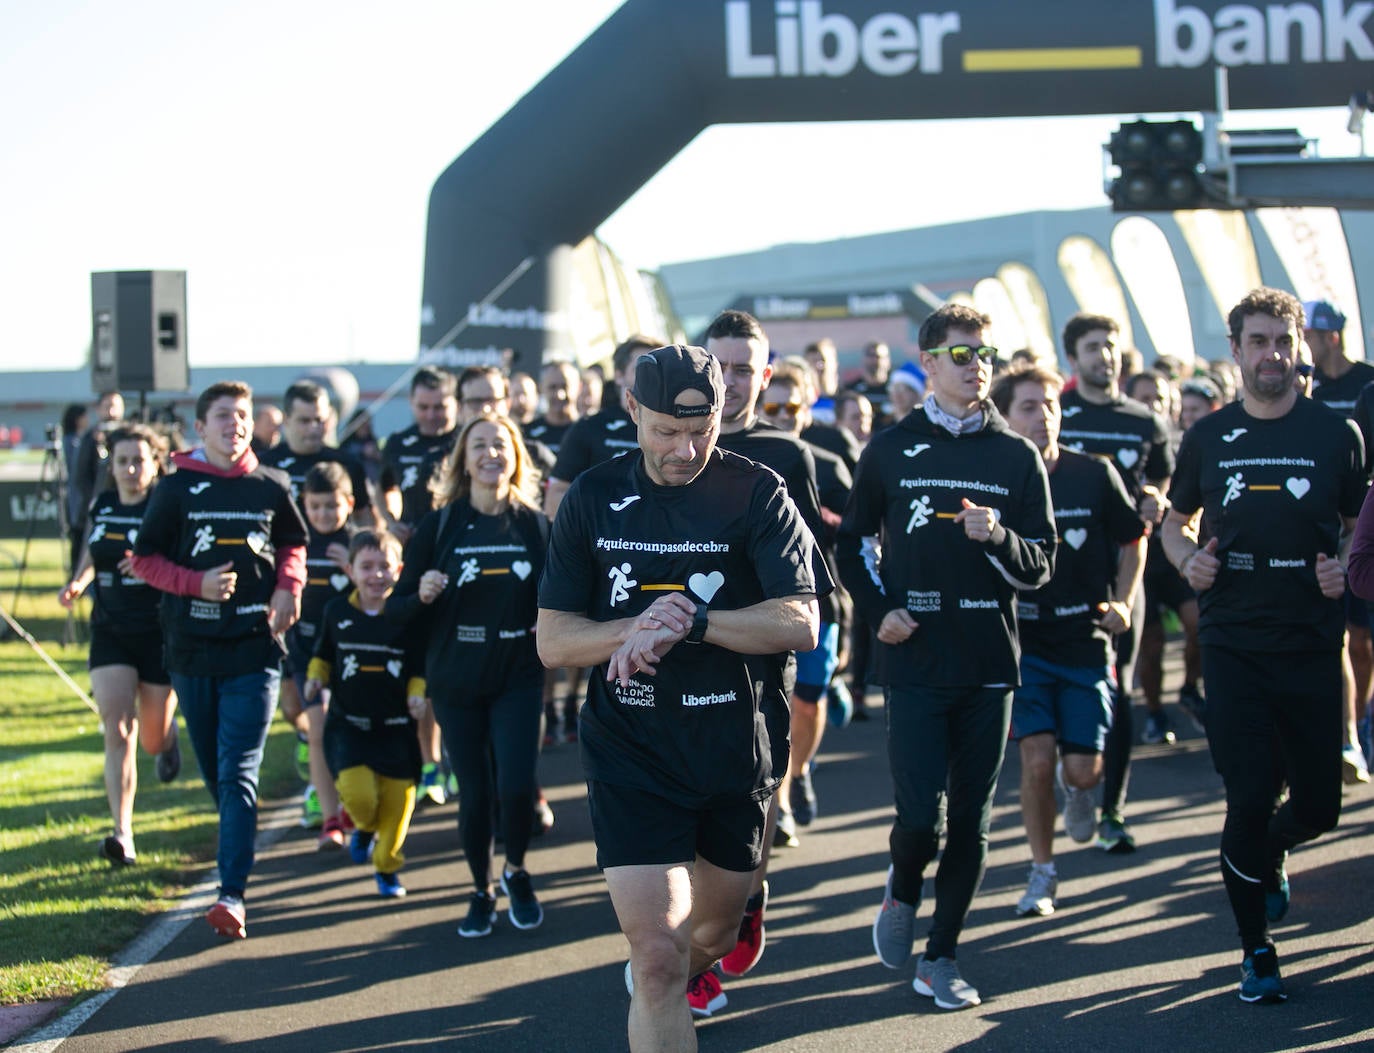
column 475, row 561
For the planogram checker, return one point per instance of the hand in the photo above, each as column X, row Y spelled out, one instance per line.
column 432, row 583
column 979, row 522
column 1200, row 569
column 896, row 627
column 416, row 704
column 126, row 565
column 283, row 611
column 338, row 555
column 1115, row 617
column 673, row 610
column 1330, row 576
column 313, row 687
column 69, row 594
column 652, row 633
column 1153, row 504
column 219, row 583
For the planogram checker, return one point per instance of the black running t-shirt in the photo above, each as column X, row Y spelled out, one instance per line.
column 1129, row 432
column 1095, row 517
column 731, row 538
column 1273, row 493
column 123, row 602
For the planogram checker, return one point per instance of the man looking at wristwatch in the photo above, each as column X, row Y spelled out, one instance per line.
column 667, row 569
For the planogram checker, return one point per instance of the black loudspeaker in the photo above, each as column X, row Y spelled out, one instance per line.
column 138, row 331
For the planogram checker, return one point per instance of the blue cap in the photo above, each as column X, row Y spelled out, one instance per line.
column 910, row 374
column 1323, row 315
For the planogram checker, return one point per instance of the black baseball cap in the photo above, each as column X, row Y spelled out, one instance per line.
column 665, row 373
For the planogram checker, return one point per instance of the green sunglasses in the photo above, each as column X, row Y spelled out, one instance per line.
column 962, row 354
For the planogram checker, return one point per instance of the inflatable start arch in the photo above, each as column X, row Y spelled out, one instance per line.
column 658, row 72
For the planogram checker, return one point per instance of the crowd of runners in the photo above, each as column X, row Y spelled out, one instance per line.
column 695, row 561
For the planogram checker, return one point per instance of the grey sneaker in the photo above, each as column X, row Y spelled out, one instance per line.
column 941, row 981
column 894, row 929
column 1080, row 811
column 1039, row 897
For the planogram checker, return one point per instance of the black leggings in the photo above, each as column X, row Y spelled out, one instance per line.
column 1262, row 707
column 1116, row 755
column 493, row 744
column 945, row 746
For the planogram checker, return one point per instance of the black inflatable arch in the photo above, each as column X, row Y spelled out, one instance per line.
column 658, row 72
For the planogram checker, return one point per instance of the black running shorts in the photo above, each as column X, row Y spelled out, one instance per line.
column 142, row 650
column 634, row 827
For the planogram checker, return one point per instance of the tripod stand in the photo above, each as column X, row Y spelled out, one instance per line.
column 51, row 486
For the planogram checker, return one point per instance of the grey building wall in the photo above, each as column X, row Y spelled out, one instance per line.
column 952, row 257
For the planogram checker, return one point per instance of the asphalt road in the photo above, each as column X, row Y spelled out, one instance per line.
column 1142, row 948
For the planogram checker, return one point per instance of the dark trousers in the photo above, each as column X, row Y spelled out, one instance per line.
column 1116, row 756
column 1260, row 707
column 493, row 744
column 945, row 747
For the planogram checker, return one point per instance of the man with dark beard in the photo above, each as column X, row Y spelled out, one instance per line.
column 1279, row 481
column 1098, row 419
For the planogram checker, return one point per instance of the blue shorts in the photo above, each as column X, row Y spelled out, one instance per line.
column 817, row 666
column 1074, row 703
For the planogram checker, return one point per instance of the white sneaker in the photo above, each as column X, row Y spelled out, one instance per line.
column 1040, row 893
column 1353, row 766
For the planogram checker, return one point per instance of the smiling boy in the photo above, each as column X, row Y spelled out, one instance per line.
column 224, row 540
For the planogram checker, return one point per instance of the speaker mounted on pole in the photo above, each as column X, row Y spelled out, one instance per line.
column 138, row 332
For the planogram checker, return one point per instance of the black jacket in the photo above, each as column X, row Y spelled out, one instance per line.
column 910, row 485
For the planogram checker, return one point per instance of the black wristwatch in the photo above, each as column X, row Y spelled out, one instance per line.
column 698, row 632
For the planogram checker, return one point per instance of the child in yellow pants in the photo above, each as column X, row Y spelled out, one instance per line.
column 371, row 663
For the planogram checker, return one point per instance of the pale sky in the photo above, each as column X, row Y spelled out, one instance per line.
column 282, row 154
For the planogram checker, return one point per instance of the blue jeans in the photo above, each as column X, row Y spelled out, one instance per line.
column 227, row 718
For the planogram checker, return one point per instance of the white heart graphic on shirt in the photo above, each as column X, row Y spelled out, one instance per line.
column 132, row 535
column 339, row 581
column 1074, row 538
column 257, row 541
column 1127, row 458
column 394, row 667
column 706, row 585
column 1298, row 487
column 521, row 568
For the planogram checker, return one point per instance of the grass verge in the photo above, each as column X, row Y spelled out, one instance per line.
column 64, row 911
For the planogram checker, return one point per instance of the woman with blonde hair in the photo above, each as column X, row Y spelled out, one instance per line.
column 475, row 562
column 131, row 685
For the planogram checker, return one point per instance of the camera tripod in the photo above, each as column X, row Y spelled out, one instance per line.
column 51, row 485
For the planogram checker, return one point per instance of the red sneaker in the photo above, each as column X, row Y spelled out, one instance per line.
column 331, row 836
column 226, row 917
column 749, row 947
column 704, row 994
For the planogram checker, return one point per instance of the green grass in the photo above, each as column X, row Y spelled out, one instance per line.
column 63, row 910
